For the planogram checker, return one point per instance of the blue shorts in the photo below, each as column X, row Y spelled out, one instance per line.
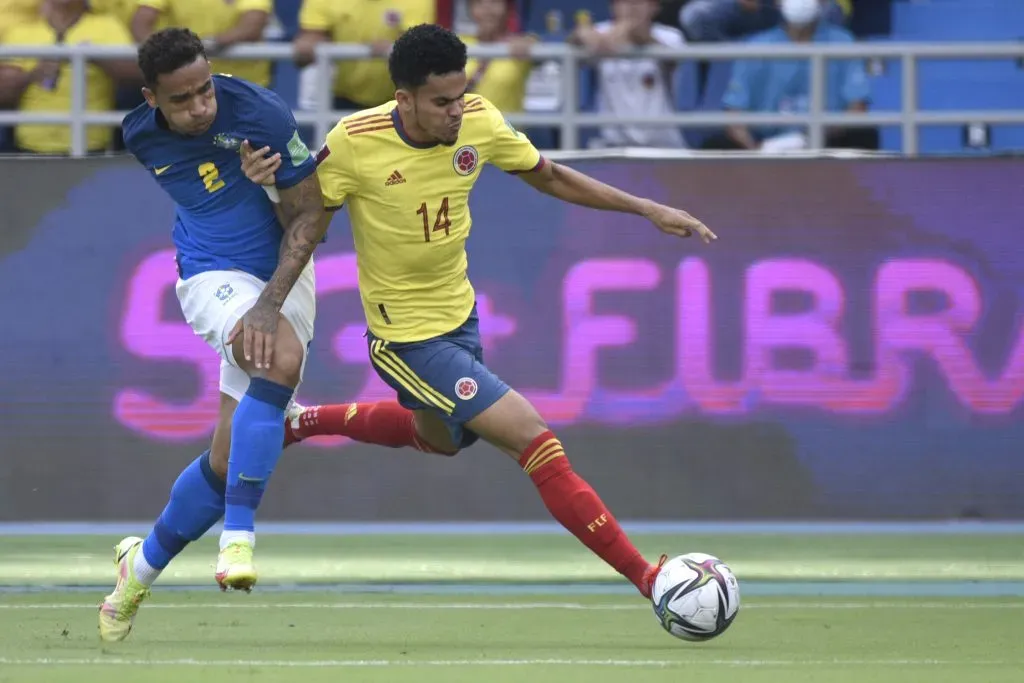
column 445, row 374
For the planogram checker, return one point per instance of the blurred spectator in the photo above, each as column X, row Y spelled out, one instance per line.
column 122, row 9
column 633, row 86
column 126, row 95
column 727, row 20
column 38, row 85
column 502, row 81
column 358, row 84
column 14, row 12
column 219, row 23
column 777, row 85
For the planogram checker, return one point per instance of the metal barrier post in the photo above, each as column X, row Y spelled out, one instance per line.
column 569, row 121
column 324, row 96
column 78, row 87
column 817, row 127
column 570, row 137
column 908, row 105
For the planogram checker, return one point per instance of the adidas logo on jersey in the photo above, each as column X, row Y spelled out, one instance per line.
column 394, row 179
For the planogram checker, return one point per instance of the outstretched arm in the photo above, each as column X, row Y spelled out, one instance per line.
column 578, row 188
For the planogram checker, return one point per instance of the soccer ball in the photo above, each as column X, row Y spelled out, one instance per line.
column 695, row 596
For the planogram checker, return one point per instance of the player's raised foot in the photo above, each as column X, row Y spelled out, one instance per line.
column 117, row 613
column 235, row 569
column 651, row 575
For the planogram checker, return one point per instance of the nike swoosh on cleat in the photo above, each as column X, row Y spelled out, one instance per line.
column 161, row 169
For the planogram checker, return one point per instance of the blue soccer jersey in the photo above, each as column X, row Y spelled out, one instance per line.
column 222, row 220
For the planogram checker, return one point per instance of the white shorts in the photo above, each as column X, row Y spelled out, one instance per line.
column 214, row 301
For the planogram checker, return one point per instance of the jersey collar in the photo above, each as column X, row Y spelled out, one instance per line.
column 405, row 136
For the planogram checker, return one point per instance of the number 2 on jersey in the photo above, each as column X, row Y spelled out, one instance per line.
column 441, row 220
column 211, row 176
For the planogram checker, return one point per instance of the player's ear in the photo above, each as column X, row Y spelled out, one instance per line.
column 150, row 97
column 404, row 99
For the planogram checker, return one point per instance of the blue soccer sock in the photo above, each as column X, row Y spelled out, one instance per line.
column 257, row 435
column 196, row 503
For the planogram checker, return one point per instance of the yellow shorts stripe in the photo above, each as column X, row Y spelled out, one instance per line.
column 441, row 398
column 407, row 380
column 403, row 380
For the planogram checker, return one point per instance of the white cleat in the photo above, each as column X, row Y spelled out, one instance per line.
column 292, row 422
column 117, row 613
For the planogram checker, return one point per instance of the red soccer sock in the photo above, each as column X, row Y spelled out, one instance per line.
column 578, row 508
column 384, row 423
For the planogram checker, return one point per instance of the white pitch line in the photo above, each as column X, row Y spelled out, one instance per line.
column 520, row 606
column 366, row 663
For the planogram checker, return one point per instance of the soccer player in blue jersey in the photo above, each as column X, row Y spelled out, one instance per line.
column 246, row 285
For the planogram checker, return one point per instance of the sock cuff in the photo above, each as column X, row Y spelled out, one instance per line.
column 265, row 391
column 540, row 452
column 215, row 482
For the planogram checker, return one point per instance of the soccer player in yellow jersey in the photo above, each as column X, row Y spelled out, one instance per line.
column 405, row 170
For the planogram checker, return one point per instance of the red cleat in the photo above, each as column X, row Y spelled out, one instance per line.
column 651, row 575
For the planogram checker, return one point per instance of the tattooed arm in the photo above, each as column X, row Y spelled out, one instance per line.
column 305, row 221
column 302, row 207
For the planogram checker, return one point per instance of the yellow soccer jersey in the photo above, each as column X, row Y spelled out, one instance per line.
column 408, row 205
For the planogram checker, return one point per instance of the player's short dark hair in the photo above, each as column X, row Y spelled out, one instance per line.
column 168, row 50
column 422, row 51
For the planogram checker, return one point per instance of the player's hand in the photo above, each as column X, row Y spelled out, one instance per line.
column 380, row 48
column 257, row 165
column 519, row 47
column 46, row 70
column 678, row 222
column 258, row 328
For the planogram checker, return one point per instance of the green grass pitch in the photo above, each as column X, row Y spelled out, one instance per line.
column 485, row 632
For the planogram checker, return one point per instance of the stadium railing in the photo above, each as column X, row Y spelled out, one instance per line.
column 570, row 120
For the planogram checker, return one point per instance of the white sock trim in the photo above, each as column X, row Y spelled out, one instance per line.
column 145, row 573
column 235, row 536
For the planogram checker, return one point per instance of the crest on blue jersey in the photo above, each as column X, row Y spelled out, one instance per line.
column 227, row 141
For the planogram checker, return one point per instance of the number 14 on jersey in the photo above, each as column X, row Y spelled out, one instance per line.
column 441, row 220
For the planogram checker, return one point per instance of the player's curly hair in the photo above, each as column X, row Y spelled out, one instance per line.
column 167, row 51
column 424, row 50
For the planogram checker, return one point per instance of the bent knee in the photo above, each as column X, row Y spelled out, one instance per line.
column 286, row 366
column 219, row 455
column 445, row 448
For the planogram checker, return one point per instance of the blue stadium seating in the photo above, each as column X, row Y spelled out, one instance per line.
column 285, row 74
column 958, row 20
column 536, row 20
column 949, row 84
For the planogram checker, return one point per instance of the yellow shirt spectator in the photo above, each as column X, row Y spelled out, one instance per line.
column 208, row 18
column 122, row 9
column 365, row 22
column 14, row 12
column 97, row 29
column 502, row 81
